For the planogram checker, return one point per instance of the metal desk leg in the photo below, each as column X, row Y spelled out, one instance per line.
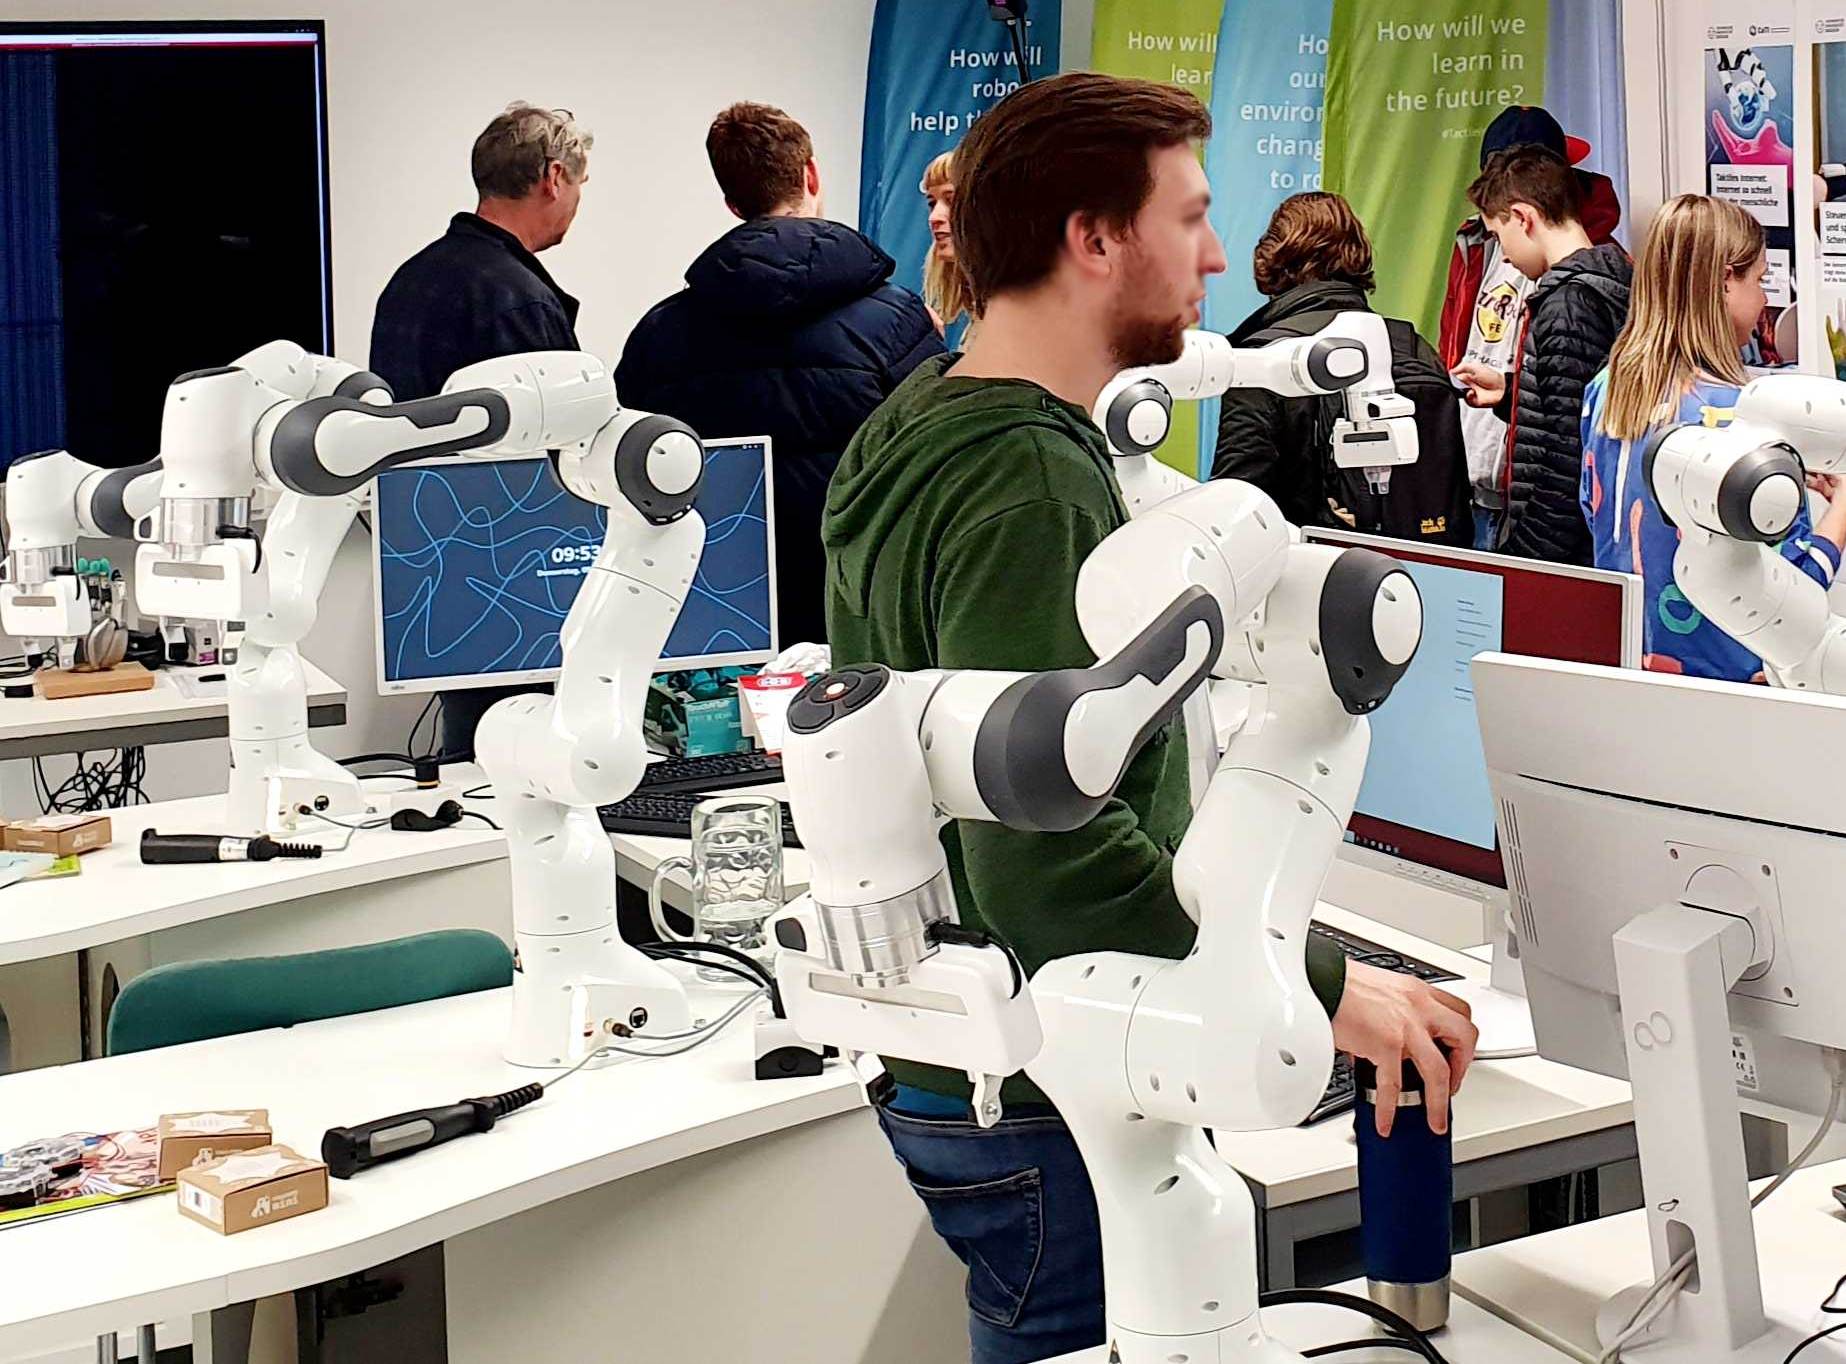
column 146, row 1351
column 105, row 1349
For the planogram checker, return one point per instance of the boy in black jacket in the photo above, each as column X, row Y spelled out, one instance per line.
column 1529, row 199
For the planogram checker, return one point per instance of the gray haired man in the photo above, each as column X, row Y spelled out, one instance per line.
column 478, row 292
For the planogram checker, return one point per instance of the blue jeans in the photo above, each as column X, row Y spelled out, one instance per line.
column 1014, row 1203
column 1486, row 527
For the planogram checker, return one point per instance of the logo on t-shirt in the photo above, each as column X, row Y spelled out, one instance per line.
column 1494, row 311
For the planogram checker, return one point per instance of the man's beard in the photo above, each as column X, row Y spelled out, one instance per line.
column 1137, row 338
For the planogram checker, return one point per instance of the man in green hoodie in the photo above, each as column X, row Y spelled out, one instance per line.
column 954, row 530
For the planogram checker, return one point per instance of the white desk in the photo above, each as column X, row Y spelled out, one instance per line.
column 821, row 1247
column 31, row 727
column 1553, row 1285
column 1471, row 1337
column 1516, row 1122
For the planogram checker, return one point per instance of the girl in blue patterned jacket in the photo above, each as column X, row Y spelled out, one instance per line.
column 1698, row 291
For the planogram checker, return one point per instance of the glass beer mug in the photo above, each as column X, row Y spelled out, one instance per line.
column 736, row 867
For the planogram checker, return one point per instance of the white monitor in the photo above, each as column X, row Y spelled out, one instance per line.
column 476, row 563
column 1421, row 848
column 1676, row 851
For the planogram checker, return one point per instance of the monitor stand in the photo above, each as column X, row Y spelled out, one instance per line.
column 1674, row 967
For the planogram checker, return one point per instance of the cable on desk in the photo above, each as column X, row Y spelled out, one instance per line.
column 1661, row 1293
column 476, row 814
column 1372, row 1343
column 351, row 829
column 109, row 783
column 720, row 957
column 478, row 792
column 1407, row 1337
column 1831, row 1309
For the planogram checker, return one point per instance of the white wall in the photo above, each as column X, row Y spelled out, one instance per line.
column 409, row 85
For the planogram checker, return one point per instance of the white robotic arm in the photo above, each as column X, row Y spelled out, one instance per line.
column 52, row 498
column 1141, row 1054
column 1734, row 492
column 1351, row 355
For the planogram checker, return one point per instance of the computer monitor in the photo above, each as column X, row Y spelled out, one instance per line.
column 1676, row 853
column 125, row 267
column 1425, row 816
column 476, row 563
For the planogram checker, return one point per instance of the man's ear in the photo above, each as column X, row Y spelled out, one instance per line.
column 1089, row 244
column 811, row 178
column 554, row 179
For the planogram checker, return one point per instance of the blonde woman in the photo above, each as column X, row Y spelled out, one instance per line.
column 1698, row 291
column 945, row 288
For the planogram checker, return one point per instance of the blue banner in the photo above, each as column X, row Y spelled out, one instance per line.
column 1266, row 133
column 935, row 67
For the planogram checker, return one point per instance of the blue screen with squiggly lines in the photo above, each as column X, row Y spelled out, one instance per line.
column 479, row 561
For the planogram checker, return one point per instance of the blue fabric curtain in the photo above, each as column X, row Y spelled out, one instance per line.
column 31, row 299
column 1583, row 86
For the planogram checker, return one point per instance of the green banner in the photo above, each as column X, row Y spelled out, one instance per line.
column 1414, row 84
column 1175, row 41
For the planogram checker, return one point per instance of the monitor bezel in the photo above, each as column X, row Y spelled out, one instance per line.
column 415, row 686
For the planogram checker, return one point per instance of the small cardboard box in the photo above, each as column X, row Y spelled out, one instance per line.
column 252, row 1189
column 193, row 1138
column 59, row 835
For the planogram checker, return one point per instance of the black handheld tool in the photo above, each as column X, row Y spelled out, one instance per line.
column 165, row 848
column 348, row 1150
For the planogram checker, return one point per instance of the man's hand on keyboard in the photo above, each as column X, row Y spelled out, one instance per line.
column 1387, row 1017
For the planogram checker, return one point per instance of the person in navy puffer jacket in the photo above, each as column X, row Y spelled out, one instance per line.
column 789, row 327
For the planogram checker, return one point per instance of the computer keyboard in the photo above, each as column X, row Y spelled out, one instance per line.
column 1340, row 1094
column 668, row 814
column 713, row 772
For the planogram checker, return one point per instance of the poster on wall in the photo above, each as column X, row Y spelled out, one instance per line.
column 1413, row 88
column 1749, row 80
column 1829, row 33
column 1174, row 42
column 1266, row 142
column 934, row 69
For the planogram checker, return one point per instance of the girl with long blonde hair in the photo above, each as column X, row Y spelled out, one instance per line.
column 1697, row 295
column 945, row 288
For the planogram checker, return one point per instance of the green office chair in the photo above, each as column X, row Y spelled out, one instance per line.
column 191, row 1001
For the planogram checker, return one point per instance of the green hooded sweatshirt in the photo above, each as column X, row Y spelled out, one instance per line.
column 954, row 529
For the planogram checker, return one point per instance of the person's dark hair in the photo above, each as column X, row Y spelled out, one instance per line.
column 1077, row 143
column 1313, row 236
column 511, row 154
column 1528, row 175
column 760, row 156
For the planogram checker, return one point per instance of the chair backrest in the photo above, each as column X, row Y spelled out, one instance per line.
column 194, row 1000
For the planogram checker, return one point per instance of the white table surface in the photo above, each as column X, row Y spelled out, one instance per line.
column 1553, row 1285
column 80, row 1275
column 163, row 703
column 1471, row 1337
column 117, row 897
column 1503, row 1105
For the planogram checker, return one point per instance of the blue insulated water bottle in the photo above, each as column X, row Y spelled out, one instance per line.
column 1406, row 1188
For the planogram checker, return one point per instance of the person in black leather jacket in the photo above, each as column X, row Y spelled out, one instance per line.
column 1530, row 199
column 789, row 327
column 1314, row 262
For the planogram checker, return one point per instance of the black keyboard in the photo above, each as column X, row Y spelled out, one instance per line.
column 714, row 772
column 1340, row 1095
column 668, row 814
column 1369, row 952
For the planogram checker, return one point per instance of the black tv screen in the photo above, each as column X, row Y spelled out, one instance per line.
column 163, row 208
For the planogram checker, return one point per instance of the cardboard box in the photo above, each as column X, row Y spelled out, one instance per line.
column 193, row 1138
column 252, row 1189
column 59, row 835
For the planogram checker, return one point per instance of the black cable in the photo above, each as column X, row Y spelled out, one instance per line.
column 478, row 792
column 1374, row 1343
column 476, row 814
column 1827, row 1306
column 1320, row 1297
column 732, row 962
column 943, row 931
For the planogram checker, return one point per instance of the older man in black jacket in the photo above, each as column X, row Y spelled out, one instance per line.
column 1531, row 200
column 789, row 327
column 478, row 292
